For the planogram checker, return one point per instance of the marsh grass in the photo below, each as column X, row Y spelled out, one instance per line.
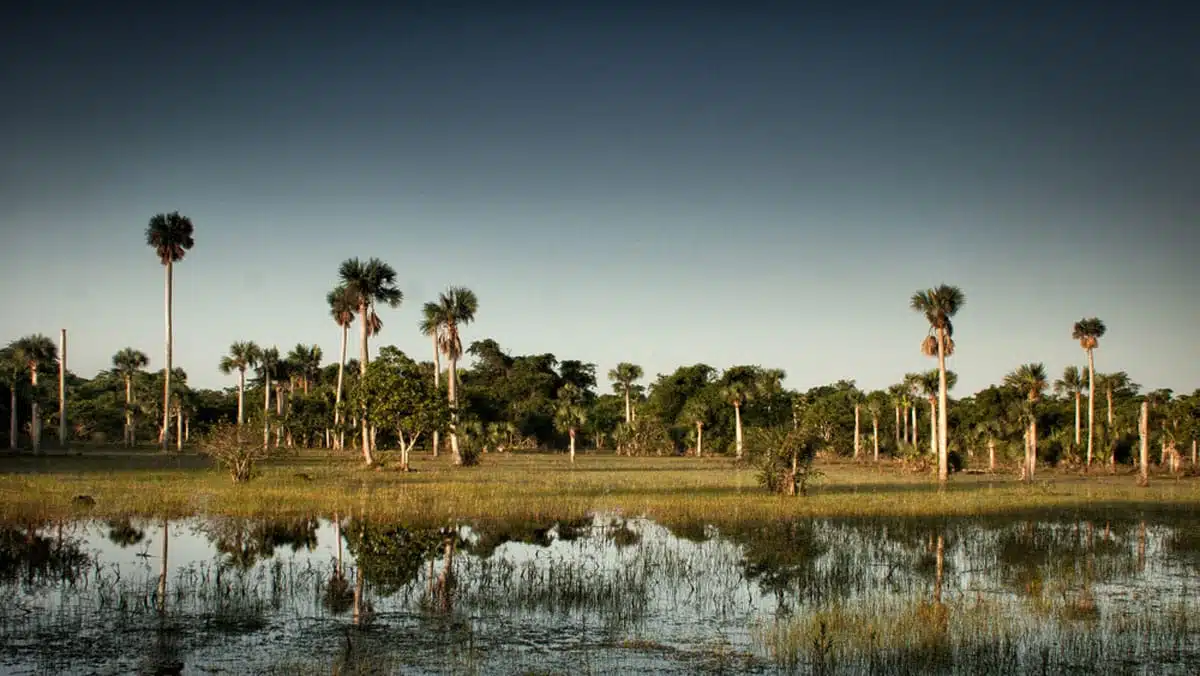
column 543, row 486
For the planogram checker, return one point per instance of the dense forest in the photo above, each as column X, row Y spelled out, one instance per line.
column 502, row 402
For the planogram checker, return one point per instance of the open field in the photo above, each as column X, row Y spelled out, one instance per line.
column 545, row 486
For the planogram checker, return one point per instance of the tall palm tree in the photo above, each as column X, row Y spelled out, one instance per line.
column 306, row 364
column 127, row 363
column 268, row 367
column 455, row 308
column 1031, row 381
column 369, row 283
column 170, row 235
column 242, row 355
column 926, row 385
column 36, row 352
column 431, row 326
column 897, row 399
column 342, row 307
column 939, row 305
column 697, row 411
column 570, row 414
column 876, row 401
column 624, row 376
column 912, row 392
column 736, row 393
column 11, row 371
column 1088, row 332
column 1071, row 384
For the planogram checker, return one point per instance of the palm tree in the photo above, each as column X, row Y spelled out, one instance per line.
column 268, row 367
column 896, row 396
column 35, row 352
column 875, row 405
column 570, row 414
column 624, row 376
column 454, row 308
column 127, row 363
column 369, row 283
column 939, row 305
column 342, row 308
column 11, row 369
column 170, row 235
column 306, row 363
column 926, row 385
column 912, row 391
column 736, row 393
column 431, row 326
column 1071, row 384
column 242, row 355
column 1030, row 380
column 697, row 411
column 1088, row 332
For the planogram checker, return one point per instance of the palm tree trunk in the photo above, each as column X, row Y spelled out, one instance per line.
column 1144, row 446
column 737, row 413
column 1092, row 407
column 62, row 388
column 699, row 439
column 166, row 424
column 933, row 436
column 943, row 438
column 991, row 455
column 1078, row 426
column 452, row 385
column 571, row 431
column 128, row 410
column 241, row 396
column 179, row 427
column 266, row 409
column 628, row 408
column 437, row 385
column 875, row 436
column 905, row 416
column 1032, row 446
column 35, row 423
column 856, row 431
column 897, row 427
column 12, row 416
column 340, row 438
column 915, row 434
column 364, row 320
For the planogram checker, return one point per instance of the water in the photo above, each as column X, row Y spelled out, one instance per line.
column 601, row 595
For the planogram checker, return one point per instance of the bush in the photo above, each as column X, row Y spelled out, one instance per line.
column 644, row 437
column 784, row 458
column 469, row 450
column 234, row 450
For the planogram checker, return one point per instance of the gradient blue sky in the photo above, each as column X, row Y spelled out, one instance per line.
column 733, row 183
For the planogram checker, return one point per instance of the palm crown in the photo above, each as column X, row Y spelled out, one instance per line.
column 939, row 305
column 36, row 352
column 1072, row 381
column 1029, row 379
column 171, row 236
column 128, row 361
column 1088, row 332
column 454, row 308
column 370, row 283
column 342, row 305
column 242, row 355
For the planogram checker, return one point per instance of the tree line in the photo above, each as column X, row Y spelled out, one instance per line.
column 504, row 402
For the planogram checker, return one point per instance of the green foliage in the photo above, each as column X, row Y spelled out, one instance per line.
column 645, row 436
column 400, row 399
column 784, row 458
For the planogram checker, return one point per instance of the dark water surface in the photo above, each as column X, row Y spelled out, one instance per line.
column 603, row 595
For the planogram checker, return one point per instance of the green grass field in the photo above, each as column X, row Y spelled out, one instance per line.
column 546, row 487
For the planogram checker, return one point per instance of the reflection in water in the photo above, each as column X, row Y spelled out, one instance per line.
column 884, row 596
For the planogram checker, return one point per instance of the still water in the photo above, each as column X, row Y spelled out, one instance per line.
column 604, row 594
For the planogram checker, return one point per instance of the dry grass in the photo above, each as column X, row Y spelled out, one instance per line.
column 546, row 486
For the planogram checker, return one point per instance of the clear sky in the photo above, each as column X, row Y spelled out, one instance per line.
column 740, row 182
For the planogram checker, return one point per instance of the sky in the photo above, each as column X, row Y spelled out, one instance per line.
column 728, row 183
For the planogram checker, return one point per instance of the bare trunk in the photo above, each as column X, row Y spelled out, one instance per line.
column 571, row 432
column 364, row 320
column 12, row 417
column 1092, row 409
column 1193, row 451
column 35, row 423
column 452, row 387
column 187, row 427
column 699, row 439
column 337, row 400
column 991, row 455
column 915, row 436
column 628, row 408
column 162, row 571
column 933, row 436
column 1144, row 446
column 1078, row 420
column 166, row 421
column 1032, row 458
column 241, row 396
column 897, row 427
column 943, row 436
column 266, row 409
column 437, row 385
column 875, row 436
column 62, row 388
column 179, row 427
column 905, row 416
column 737, row 414
column 856, row 431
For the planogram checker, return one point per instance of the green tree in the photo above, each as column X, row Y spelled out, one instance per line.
column 306, row 364
column 1088, row 331
column 570, row 413
column 624, row 376
column 342, row 307
column 697, row 411
column 939, row 305
column 454, row 309
column 12, row 371
column 397, row 397
column 1071, row 384
column 877, row 402
column 1030, row 380
column 368, row 284
column 38, row 353
column 128, row 363
column 170, row 235
column 242, row 355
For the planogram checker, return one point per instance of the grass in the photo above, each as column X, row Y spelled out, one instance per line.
column 547, row 487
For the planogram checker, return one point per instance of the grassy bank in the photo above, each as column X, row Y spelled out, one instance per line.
column 545, row 486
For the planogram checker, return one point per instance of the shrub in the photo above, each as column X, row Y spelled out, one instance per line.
column 234, row 450
column 784, row 458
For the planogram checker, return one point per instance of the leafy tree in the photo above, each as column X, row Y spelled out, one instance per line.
column 454, row 308
column 1071, row 384
column 1030, row 380
column 784, row 457
column 570, row 413
column 38, row 353
column 242, row 355
column 939, row 305
column 127, row 363
column 170, row 235
column 396, row 397
column 305, row 361
column 623, row 377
